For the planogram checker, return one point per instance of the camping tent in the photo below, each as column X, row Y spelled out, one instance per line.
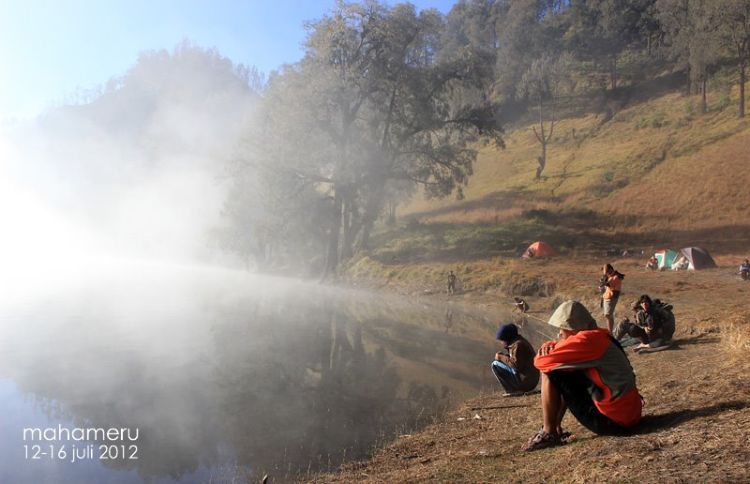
column 665, row 258
column 696, row 258
column 538, row 249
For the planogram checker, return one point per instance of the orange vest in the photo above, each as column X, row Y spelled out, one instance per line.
column 614, row 283
column 608, row 368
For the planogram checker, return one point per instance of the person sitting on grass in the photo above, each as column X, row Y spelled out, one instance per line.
column 745, row 269
column 652, row 264
column 521, row 304
column 515, row 371
column 585, row 371
column 654, row 324
column 681, row 264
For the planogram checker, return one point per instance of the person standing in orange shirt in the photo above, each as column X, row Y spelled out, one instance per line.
column 611, row 286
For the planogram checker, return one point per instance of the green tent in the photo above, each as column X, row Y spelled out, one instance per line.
column 665, row 258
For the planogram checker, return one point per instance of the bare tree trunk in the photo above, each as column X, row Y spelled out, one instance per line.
column 741, row 112
column 542, row 160
column 347, row 249
column 332, row 258
column 372, row 212
column 541, row 137
column 391, row 221
column 364, row 242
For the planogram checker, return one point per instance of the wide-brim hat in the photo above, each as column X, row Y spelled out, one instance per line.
column 573, row 316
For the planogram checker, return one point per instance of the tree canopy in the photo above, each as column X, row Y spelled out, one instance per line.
column 388, row 99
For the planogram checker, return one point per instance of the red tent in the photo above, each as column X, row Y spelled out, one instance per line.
column 538, row 249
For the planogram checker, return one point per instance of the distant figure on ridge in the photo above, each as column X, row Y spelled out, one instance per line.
column 515, row 371
column 585, row 371
column 451, row 283
column 521, row 305
column 654, row 324
column 610, row 285
column 745, row 270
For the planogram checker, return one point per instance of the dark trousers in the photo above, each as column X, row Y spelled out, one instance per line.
column 576, row 389
column 631, row 329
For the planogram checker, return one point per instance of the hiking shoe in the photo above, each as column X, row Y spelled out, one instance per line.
column 542, row 440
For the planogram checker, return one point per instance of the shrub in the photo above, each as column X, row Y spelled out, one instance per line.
column 689, row 109
column 657, row 121
column 412, row 223
column 723, row 102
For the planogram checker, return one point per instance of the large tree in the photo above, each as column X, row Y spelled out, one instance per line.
column 369, row 106
column 599, row 31
column 544, row 83
column 691, row 39
column 733, row 18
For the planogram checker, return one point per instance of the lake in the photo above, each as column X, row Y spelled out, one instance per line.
column 221, row 375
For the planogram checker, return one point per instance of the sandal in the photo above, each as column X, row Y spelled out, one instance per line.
column 542, row 440
column 567, row 437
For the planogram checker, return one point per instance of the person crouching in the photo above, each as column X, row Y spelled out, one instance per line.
column 585, row 371
column 515, row 371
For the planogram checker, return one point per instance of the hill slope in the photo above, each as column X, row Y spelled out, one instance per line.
column 657, row 170
column 655, row 173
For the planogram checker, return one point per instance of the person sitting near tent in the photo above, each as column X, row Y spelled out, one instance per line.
column 515, row 371
column 654, row 324
column 652, row 263
column 745, row 270
column 521, row 305
column 585, row 371
column 530, row 252
column 451, row 282
column 611, row 286
column 681, row 264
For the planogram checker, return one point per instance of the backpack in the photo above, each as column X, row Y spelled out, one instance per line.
column 662, row 305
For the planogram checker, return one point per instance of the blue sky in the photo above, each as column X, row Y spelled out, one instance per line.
column 49, row 48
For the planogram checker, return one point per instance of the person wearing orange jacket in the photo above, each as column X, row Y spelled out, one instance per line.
column 586, row 371
column 611, row 288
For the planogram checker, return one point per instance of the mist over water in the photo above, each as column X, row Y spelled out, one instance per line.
column 225, row 372
column 137, row 171
column 119, row 310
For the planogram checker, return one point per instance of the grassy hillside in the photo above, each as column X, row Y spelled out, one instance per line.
column 654, row 173
column 657, row 170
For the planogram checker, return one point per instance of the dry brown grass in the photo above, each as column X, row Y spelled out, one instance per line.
column 737, row 334
column 655, row 165
column 655, row 168
column 697, row 396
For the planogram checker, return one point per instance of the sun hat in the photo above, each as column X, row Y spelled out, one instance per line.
column 573, row 316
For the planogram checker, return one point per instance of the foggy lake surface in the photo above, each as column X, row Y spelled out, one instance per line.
column 225, row 374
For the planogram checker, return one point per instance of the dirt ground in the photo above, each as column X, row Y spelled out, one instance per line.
column 696, row 424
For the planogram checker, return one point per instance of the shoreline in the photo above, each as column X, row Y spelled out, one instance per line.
column 712, row 327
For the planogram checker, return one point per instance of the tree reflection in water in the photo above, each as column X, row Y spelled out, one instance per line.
column 308, row 396
column 246, row 385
